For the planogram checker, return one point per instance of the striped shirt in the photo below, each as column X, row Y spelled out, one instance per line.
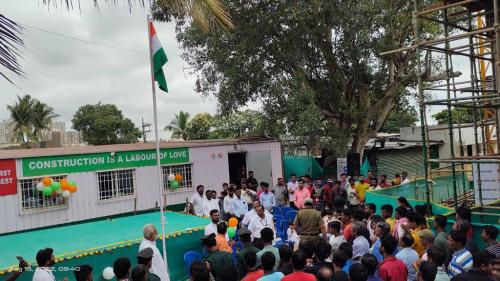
column 461, row 261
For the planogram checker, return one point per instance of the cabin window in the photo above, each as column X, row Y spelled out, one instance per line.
column 116, row 184
column 33, row 200
column 185, row 170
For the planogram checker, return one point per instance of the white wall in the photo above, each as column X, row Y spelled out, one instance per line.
column 84, row 204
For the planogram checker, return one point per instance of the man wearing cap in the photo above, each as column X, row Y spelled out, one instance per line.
column 217, row 259
column 328, row 192
column 426, row 240
column 158, row 265
column 310, row 222
column 145, row 257
column 45, row 259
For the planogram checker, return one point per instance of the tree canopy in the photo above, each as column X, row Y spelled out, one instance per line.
column 30, row 118
column 458, row 115
column 308, row 62
column 104, row 124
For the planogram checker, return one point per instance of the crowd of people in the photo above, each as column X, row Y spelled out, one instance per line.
column 335, row 235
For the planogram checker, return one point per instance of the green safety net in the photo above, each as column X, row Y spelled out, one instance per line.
column 302, row 165
column 442, row 188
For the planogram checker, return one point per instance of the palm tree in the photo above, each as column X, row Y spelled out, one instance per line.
column 42, row 116
column 30, row 118
column 21, row 114
column 207, row 13
column 178, row 125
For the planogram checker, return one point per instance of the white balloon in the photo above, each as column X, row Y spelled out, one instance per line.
column 171, row 177
column 40, row 186
column 108, row 273
column 66, row 194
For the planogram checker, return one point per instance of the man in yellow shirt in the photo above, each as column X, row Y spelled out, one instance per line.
column 361, row 188
column 386, row 211
column 415, row 222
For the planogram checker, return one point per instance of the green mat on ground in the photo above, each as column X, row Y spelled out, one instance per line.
column 75, row 240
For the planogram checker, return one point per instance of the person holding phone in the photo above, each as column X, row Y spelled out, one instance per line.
column 23, row 266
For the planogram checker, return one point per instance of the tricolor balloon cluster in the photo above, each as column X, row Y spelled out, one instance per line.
column 49, row 187
column 231, row 230
column 174, row 180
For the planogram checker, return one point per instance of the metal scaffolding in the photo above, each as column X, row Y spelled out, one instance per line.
column 470, row 29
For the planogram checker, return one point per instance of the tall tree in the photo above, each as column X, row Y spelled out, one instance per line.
column 178, row 125
column 461, row 115
column 21, row 114
column 42, row 118
column 199, row 127
column 328, row 48
column 244, row 123
column 104, row 124
column 208, row 14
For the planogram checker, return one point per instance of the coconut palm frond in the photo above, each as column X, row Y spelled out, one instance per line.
column 208, row 14
column 10, row 41
column 215, row 9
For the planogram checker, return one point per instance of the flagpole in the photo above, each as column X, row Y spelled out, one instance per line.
column 157, row 140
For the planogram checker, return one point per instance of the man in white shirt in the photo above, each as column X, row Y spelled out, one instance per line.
column 158, row 265
column 228, row 202
column 404, row 178
column 240, row 206
column 292, row 185
column 262, row 220
column 250, row 214
column 210, row 203
column 197, row 202
column 211, row 228
column 45, row 259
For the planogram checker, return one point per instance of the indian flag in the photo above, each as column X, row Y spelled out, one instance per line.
column 158, row 58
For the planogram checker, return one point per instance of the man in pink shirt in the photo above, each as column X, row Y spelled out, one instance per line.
column 401, row 221
column 391, row 269
column 301, row 194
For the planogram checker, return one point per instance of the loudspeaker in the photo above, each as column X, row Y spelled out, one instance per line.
column 353, row 164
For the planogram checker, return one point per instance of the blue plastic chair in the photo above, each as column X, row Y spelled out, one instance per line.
column 285, row 209
column 284, row 228
column 290, row 216
column 277, row 211
column 189, row 258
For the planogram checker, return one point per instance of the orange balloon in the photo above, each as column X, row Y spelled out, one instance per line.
column 233, row 222
column 64, row 184
column 178, row 177
column 72, row 188
column 47, row 181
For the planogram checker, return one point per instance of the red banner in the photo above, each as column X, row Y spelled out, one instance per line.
column 8, row 178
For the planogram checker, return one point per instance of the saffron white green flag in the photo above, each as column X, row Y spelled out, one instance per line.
column 158, row 58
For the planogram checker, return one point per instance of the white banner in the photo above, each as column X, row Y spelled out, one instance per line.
column 490, row 182
column 341, row 167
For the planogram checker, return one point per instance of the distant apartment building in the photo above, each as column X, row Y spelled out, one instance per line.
column 56, row 136
column 6, row 132
column 73, row 138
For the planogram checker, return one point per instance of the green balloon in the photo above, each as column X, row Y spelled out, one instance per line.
column 47, row 191
column 55, row 186
column 231, row 231
column 72, row 183
column 174, row 184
